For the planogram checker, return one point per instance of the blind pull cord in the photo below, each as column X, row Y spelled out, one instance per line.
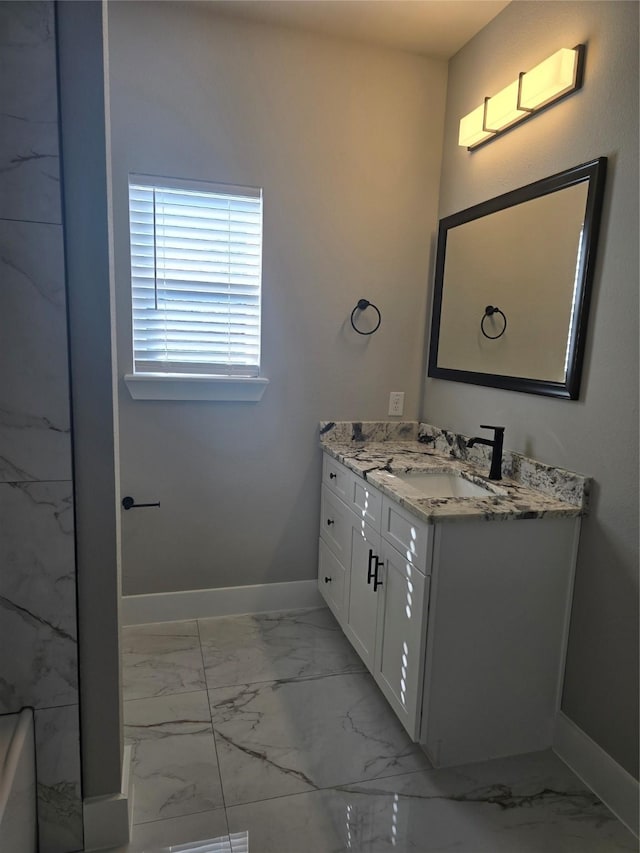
column 155, row 255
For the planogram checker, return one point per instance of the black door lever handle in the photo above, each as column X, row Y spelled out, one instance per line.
column 129, row 503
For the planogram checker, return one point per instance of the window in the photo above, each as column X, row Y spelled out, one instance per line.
column 196, row 263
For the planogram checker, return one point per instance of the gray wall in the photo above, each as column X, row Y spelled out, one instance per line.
column 38, row 645
column 346, row 142
column 597, row 435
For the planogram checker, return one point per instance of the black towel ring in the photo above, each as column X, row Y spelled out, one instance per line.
column 362, row 304
column 488, row 312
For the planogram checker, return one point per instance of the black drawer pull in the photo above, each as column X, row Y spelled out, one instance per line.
column 332, row 476
column 330, row 521
column 327, row 580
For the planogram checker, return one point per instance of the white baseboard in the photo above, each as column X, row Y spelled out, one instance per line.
column 607, row 779
column 108, row 820
column 224, row 601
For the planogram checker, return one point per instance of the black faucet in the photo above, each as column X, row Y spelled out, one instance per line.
column 496, row 457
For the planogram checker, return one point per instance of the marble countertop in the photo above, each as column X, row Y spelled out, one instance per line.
column 529, row 489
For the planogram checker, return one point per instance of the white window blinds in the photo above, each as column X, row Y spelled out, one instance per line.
column 196, row 264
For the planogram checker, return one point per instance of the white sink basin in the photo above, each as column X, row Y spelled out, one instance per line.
column 443, row 485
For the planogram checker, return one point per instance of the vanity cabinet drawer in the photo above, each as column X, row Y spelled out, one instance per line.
column 335, row 525
column 337, row 478
column 407, row 535
column 366, row 502
column 331, row 579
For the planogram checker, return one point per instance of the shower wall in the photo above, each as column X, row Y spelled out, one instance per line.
column 38, row 644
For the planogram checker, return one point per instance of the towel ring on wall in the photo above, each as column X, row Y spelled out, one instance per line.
column 489, row 311
column 361, row 306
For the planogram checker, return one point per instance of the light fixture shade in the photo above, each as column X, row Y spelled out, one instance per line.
column 502, row 109
column 558, row 75
column 472, row 131
column 549, row 80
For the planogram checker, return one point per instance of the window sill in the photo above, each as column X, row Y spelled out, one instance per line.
column 171, row 386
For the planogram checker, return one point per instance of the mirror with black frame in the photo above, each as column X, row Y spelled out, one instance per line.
column 512, row 286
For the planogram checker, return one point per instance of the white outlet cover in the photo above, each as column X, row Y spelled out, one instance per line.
column 396, row 403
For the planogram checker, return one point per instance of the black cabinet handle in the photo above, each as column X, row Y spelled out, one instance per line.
column 372, row 573
column 327, row 580
column 130, row 503
column 376, row 581
column 332, row 476
column 330, row 521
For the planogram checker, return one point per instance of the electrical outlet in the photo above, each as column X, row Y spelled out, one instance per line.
column 396, row 403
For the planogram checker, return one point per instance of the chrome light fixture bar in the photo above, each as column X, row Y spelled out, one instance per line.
column 556, row 77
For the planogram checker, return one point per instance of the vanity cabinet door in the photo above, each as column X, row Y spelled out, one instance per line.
column 401, row 637
column 362, row 606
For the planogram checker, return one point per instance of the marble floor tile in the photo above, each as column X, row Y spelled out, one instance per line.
column 161, row 659
column 273, row 646
column 174, row 757
column 529, row 804
column 276, row 738
column 205, row 832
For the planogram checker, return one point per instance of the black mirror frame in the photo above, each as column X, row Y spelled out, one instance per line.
column 594, row 172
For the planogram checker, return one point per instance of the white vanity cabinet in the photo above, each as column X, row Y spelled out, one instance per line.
column 378, row 594
column 463, row 625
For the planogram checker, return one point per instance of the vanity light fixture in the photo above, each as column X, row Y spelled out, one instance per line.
column 554, row 78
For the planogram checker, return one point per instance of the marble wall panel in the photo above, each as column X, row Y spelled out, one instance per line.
column 38, row 649
column 58, row 772
column 29, row 162
column 34, row 384
column 38, row 644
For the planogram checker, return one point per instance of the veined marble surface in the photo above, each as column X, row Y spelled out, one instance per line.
column 161, row 659
column 35, row 433
column 274, row 646
column 528, row 489
column 38, row 648
column 290, row 736
column 343, row 432
column 29, row 167
column 528, row 804
column 555, row 482
column 58, row 770
column 174, row 761
column 205, row 832
column 286, row 747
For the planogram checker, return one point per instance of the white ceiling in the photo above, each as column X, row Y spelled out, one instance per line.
column 435, row 28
